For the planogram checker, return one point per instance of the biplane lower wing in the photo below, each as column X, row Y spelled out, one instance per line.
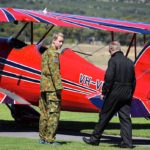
column 7, row 97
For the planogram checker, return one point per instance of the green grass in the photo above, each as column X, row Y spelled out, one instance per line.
column 141, row 126
column 78, row 123
column 32, row 144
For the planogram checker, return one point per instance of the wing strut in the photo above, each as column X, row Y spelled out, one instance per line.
column 21, row 30
column 83, row 53
column 130, row 45
column 45, row 34
column 31, row 32
column 112, row 35
column 144, row 38
column 135, row 50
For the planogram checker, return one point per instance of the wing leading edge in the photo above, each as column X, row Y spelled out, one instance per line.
column 69, row 20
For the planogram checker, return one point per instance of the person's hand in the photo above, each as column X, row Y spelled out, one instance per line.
column 58, row 93
column 102, row 97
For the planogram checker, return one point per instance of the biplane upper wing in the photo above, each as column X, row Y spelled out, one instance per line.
column 103, row 24
column 69, row 20
column 12, row 14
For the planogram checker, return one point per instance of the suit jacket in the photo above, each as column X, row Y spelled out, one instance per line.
column 120, row 77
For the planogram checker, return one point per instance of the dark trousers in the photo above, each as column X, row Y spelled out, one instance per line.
column 111, row 106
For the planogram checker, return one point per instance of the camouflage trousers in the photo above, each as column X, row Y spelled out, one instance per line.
column 49, row 106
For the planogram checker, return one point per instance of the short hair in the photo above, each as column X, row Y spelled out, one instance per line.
column 114, row 46
column 56, row 35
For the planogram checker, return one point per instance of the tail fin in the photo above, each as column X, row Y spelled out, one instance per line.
column 141, row 100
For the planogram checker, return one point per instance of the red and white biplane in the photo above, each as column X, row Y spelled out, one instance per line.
column 20, row 65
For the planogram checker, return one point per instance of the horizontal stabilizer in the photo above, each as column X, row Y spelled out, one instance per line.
column 96, row 100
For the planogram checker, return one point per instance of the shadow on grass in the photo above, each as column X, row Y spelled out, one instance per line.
column 74, row 128
column 117, row 140
column 64, row 126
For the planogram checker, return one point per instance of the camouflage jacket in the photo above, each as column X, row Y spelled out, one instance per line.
column 50, row 75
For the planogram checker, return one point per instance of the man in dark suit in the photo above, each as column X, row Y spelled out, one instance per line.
column 117, row 91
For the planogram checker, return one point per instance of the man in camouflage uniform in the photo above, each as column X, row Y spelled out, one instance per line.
column 51, row 87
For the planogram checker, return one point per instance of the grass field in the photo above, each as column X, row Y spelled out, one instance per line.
column 77, row 123
column 29, row 144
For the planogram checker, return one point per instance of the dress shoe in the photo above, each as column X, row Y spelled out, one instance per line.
column 123, row 145
column 90, row 141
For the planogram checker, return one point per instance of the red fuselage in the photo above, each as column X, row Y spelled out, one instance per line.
column 21, row 69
